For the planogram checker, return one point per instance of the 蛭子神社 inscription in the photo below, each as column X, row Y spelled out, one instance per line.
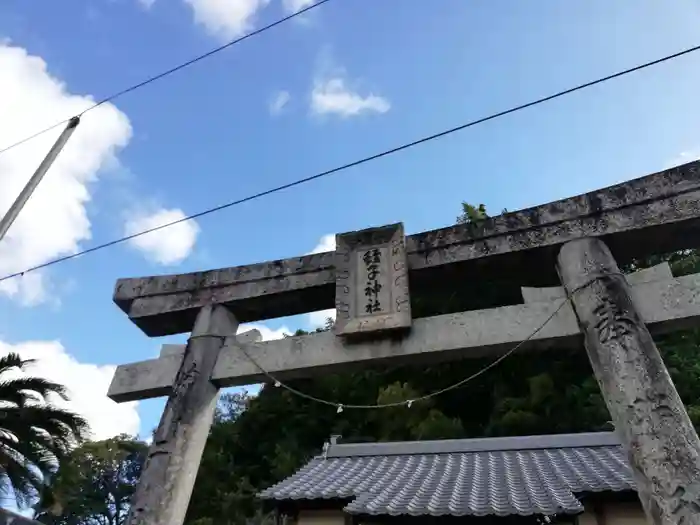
column 371, row 281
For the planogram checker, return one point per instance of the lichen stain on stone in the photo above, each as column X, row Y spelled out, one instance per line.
column 512, row 220
column 528, row 218
column 594, row 202
column 621, row 194
column 483, row 247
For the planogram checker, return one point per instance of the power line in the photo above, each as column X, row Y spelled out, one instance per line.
column 355, row 163
column 170, row 72
column 35, row 135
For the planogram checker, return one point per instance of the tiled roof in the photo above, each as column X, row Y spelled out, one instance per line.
column 477, row 477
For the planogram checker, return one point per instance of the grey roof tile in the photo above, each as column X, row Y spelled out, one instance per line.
column 499, row 476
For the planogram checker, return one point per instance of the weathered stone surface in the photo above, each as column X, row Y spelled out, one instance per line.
column 660, row 272
column 649, row 416
column 251, row 336
column 302, row 356
column 145, row 379
column 161, row 372
column 654, row 214
column 371, row 290
column 664, row 305
column 165, row 487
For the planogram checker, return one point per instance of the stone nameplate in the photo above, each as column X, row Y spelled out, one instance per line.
column 371, row 292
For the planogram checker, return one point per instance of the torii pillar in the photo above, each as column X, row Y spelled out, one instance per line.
column 649, row 416
column 164, row 490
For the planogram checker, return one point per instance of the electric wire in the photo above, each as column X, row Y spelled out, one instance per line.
column 358, row 162
column 170, row 71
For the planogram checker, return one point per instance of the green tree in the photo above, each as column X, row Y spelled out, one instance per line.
column 35, row 435
column 529, row 393
column 472, row 214
column 95, row 483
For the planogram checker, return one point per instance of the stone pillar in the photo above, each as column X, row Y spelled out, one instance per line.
column 662, row 446
column 166, row 484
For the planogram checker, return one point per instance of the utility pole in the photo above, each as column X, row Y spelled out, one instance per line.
column 27, row 191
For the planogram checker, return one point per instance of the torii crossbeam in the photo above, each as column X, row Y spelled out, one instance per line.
column 367, row 279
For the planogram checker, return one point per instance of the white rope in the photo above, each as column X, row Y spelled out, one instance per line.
column 408, row 402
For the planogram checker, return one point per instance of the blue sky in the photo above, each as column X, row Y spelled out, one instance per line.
column 360, row 77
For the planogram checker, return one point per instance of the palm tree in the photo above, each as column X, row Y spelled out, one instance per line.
column 34, row 435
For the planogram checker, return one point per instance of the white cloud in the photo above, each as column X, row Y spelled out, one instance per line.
column 325, row 244
column 318, row 319
column 226, row 19
column 268, row 334
column 683, row 158
column 278, row 102
column 54, row 221
column 146, row 4
column 294, row 6
column 87, row 386
column 332, row 96
column 167, row 246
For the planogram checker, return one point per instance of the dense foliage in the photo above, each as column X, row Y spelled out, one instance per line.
column 95, row 483
column 35, row 435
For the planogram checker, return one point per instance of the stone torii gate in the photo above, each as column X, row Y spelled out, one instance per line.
column 573, row 242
